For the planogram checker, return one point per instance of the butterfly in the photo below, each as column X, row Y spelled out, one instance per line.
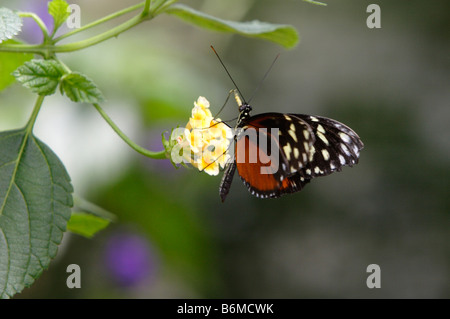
column 302, row 147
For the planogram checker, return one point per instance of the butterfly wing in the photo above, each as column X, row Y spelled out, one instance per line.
column 277, row 153
column 336, row 145
column 269, row 150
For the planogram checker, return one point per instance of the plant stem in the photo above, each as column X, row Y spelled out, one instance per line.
column 100, row 21
column 101, row 37
column 162, row 6
column 137, row 148
column 46, row 49
column 39, row 22
column 146, row 8
column 126, row 139
column 34, row 114
column 40, row 49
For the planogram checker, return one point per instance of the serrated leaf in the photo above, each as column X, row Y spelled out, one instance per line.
column 79, row 88
column 35, row 205
column 41, row 76
column 282, row 34
column 58, row 10
column 86, row 225
column 8, row 63
column 10, row 24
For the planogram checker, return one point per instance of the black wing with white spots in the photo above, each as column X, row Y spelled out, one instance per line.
column 336, row 145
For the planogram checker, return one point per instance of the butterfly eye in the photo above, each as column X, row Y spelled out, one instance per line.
column 245, row 108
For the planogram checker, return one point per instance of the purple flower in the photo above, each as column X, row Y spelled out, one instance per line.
column 31, row 32
column 129, row 259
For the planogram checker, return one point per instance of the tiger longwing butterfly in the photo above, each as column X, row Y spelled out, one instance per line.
column 302, row 147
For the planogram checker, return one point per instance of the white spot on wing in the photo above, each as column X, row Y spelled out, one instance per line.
column 306, row 146
column 292, row 127
column 345, row 149
column 306, row 134
column 292, row 134
column 342, row 159
column 344, row 137
column 305, row 157
column 311, row 153
column 323, row 138
column 325, row 154
column 287, row 150
column 320, row 129
column 356, row 150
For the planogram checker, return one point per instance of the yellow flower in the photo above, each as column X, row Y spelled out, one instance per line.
column 220, row 130
column 202, row 102
column 195, row 139
column 200, row 118
column 208, row 139
column 218, row 151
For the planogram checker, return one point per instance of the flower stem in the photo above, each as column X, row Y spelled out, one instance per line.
column 126, row 139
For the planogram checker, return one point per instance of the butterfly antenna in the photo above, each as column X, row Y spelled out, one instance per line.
column 217, row 123
column 229, row 75
column 226, row 101
column 264, row 77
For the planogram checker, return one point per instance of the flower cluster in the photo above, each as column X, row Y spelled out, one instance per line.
column 205, row 140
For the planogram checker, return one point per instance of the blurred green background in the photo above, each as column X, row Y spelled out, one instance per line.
column 175, row 239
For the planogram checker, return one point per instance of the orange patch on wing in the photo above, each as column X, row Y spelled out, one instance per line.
column 252, row 164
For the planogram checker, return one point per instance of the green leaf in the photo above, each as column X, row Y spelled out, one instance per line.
column 10, row 24
column 58, row 10
column 86, row 206
column 316, row 2
column 35, row 205
column 282, row 34
column 86, row 225
column 41, row 76
column 8, row 63
column 79, row 88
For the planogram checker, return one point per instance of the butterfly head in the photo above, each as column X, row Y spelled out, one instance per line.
column 244, row 107
column 244, row 113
